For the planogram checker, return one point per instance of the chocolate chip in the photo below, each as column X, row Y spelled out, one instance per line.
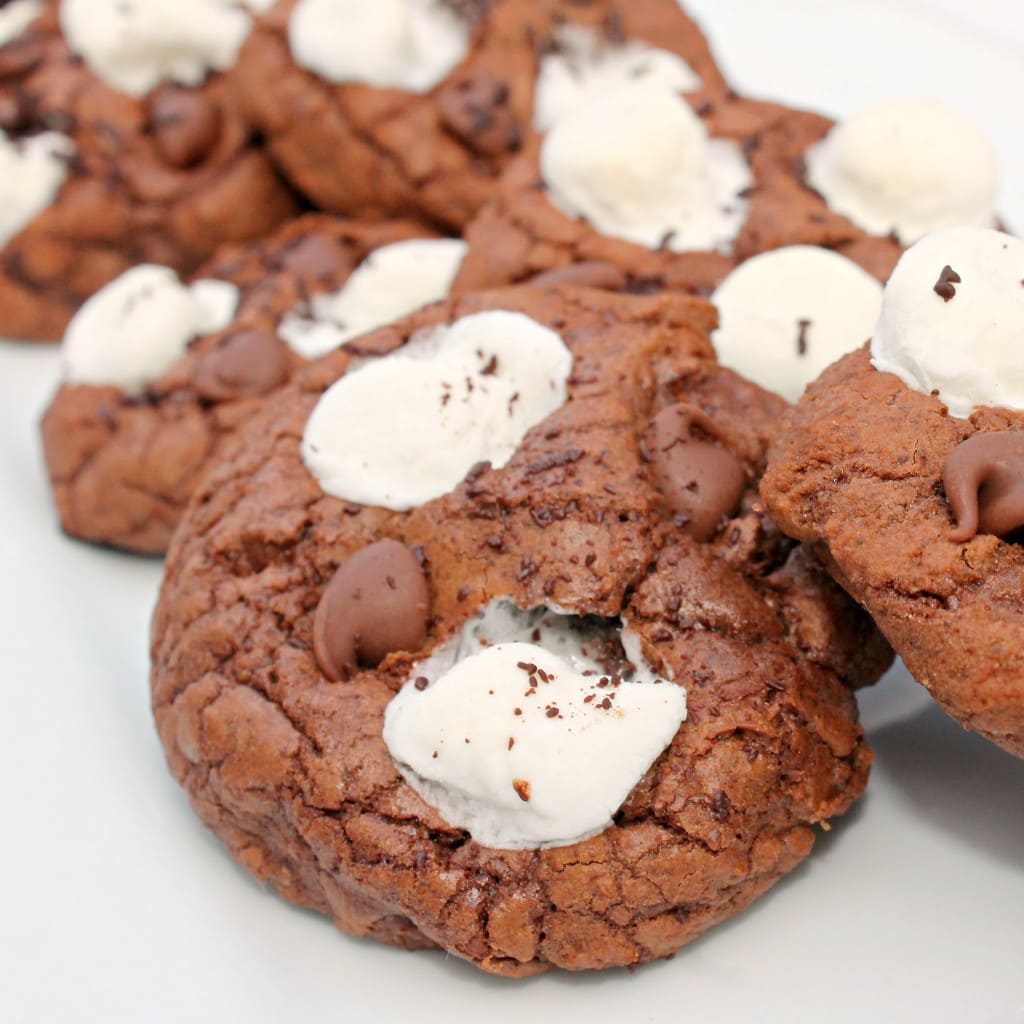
column 185, row 125
column 361, row 618
column 251, row 362
column 802, row 326
column 944, row 286
column 474, row 107
column 984, row 481
column 317, row 258
column 701, row 481
column 589, row 274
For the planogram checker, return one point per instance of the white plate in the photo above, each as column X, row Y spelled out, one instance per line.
column 118, row 906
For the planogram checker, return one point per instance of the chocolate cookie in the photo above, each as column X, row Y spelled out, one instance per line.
column 903, row 466
column 109, row 160
column 661, row 198
column 425, row 102
column 151, row 386
column 560, row 516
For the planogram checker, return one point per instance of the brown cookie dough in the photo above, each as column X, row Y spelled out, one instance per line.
column 520, row 233
column 290, row 770
column 122, row 467
column 435, row 155
column 857, row 471
column 165, row 179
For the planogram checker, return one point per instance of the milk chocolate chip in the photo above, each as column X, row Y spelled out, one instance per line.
column 475, row 108
column 984, row 481
column 376, row 603
column 701, row 481
column 185, row 125
column 589, row 274
column 251, row 362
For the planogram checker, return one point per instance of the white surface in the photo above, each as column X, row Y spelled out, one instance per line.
column 134, row 46
column 138, row 326
column 586, row 67
column 787, row 314
column 967, row 347
column 391, row 282
column 909, row 166
column 545, row 755
column 391, row 44
column 638, row 164
column 401, row 431
column 119, row 907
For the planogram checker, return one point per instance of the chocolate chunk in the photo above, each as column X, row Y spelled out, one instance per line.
column 944, row 286
column 185, row 125
column 475, row 108
column 318, row 258
column 701, row 482
column 376, row 603
column 251, row 362
column 589, row 274
column 984, row 481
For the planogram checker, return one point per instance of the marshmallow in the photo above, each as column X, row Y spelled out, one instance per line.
column 909, row 167
column 134, row 45
column 133, row 330
column 391, row 282
column 32, row 171
column 405, row 429
column 638, row 165
column 390, row 44
column 787, row 314
column 584, row 68
column 15, row 17
column 509, row 733
column 953, row 317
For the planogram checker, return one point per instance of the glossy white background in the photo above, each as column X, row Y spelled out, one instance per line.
column 117, row 906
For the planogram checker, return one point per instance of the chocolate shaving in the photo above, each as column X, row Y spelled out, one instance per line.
column 944, row 286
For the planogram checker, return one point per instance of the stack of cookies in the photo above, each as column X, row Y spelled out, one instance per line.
column 446, row 348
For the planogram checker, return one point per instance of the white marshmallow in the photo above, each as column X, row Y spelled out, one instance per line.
column 909, row 167
column 639, row 166
column 133, row 330
column 134, row 45
column 405, row 429
column 390, row 44
column 16, row 17
column 32, row 171
column 390, row 283
column 787, row 314
column 586, row 67
column 529, row 779
column 968, row 349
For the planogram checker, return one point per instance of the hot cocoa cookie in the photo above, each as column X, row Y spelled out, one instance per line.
column 427, row 100
column 490, row 531
column 120, row 143
column 903, row 466
column 154, row 377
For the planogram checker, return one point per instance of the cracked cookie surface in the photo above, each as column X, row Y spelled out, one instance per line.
column 290, row 769
column 858, row 473
column 434, row 155
column 122, row 467
column 164, row 179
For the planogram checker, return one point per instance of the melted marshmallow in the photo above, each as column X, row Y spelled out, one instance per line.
column 787, row 314
column 391, row 44
column 521, row 762
column 133, row 330
column 584, row 68
column 639, row 166
column 968, row 348
column 405, row 429
column 909, row 167
column 134, row 45
column 16, row 17
column 32, row 171
column 390, row 283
